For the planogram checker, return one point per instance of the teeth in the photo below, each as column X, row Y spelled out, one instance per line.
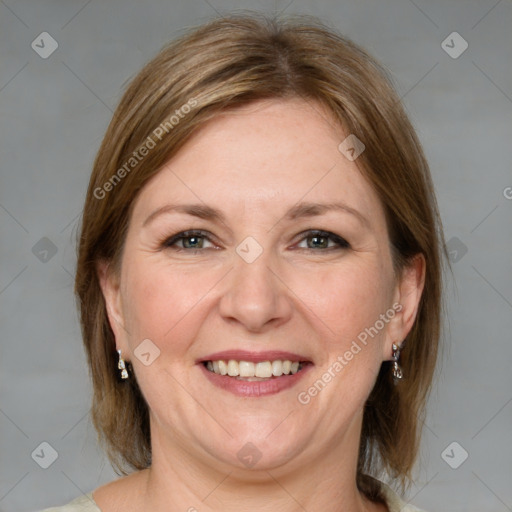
column 277, row 368
column 233, row 368
column 263, row 370
column 247, row 369
column 223, row 368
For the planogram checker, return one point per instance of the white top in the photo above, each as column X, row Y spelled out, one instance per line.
column 86, row 503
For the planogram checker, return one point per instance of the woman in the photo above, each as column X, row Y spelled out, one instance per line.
column 259, row 278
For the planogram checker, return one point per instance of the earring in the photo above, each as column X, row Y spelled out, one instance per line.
column 122, row 366
column 397, row 371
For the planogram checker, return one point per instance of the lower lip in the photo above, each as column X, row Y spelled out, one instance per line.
column 254, row 388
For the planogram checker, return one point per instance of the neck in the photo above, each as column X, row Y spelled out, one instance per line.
column 181, row 480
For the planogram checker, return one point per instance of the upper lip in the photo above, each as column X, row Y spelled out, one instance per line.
column 254, row 357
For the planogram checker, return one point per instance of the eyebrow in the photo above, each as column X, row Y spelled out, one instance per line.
column 196, row 210
column 301, row 210
column 314, row 209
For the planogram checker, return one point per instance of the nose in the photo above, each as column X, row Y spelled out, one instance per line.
column 255, row 296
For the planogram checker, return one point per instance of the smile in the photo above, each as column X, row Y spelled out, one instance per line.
column 250, row 371
column 248, row 379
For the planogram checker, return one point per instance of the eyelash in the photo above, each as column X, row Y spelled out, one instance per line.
column 169, row 243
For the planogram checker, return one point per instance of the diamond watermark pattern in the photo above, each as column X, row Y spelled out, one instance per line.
column 147, row 352
column 351, row 147
column 249, row 249
column 456, row 248
column 249, row 455
column 454, row 455
column 45, row 455
column 454, row 45
column 44, row 249
column 44, row 45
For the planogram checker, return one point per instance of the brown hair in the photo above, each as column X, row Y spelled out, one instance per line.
column 226, row 63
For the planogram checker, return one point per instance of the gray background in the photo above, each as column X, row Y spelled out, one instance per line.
column 54, row 112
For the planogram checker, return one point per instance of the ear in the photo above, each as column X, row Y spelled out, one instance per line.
column 111, row 289
column 407, row 296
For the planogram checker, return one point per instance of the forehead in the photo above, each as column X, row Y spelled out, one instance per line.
column 267, row 154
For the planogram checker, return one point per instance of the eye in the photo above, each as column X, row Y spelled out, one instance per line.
column 188, row 240
column 316, row 240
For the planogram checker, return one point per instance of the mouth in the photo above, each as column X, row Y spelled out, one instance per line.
column 253, row 372
column 250, row 374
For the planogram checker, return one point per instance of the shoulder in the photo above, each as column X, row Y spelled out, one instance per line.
column 394, row 502
column 84, row 503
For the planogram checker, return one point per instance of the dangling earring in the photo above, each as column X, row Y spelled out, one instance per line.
column 122, row 366
column 397, row 371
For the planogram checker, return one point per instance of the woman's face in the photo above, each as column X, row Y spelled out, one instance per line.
column 260, row 236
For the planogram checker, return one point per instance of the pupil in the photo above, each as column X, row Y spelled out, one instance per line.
column 319, row 241
column 192, row 241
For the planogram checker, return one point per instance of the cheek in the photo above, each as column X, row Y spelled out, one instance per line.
column 159, row 301
column 350, row 300
column 347, row 307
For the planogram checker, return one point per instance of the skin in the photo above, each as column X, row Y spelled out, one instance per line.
column 254, row 164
